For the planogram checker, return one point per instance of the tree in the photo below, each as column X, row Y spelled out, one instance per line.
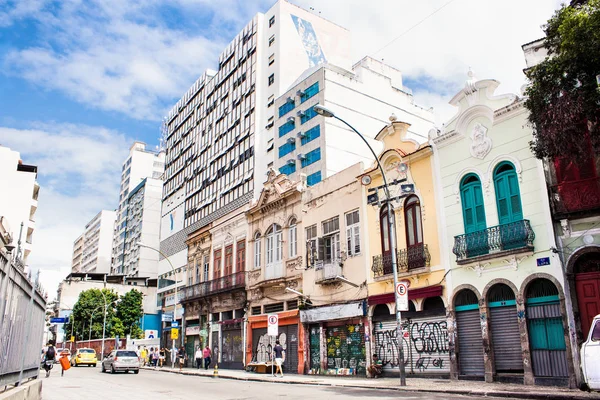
column 564, row 98
column 129, row 311
column 91, row 304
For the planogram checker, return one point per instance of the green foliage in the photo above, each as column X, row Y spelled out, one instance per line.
column 564, row 99
column 122, row 314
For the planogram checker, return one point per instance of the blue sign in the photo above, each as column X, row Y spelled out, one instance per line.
column 59, row 320
column 543, row 261
column 174, row 324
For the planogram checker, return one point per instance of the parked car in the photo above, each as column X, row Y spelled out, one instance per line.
column 84, row 356
column 590, row 356
column 59, row 353
column 121, row 360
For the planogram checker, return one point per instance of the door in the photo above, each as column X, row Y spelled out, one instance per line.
column 228, row 260
column 262, row 346
column 414, row 232
column 315, row 349
column 217, row 267
column 588, row 298
column 590, row 356
column 386, row 239
column 506, row 340
column 508, row 203
column 470, row 344
column 231, row 346
column 474, row 216
column 346, row 349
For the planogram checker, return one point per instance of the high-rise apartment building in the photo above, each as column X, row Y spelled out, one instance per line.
column 226, row 119
column 310, row 144
column 138, row 214
column 97, row 244
column 19, row 201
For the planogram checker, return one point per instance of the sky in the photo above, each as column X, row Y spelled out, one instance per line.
column 80, row 80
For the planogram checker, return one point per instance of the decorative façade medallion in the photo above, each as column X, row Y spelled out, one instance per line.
column 481, row 144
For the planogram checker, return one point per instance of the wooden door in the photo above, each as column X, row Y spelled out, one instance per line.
column 228, row 260
column 588, row 298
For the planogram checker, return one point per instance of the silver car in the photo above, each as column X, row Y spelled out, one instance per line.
column 121, row 360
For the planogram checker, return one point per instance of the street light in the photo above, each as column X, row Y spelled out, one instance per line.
column 90, row 337
column 325, row 112
column 103, row 324
column 140, row 244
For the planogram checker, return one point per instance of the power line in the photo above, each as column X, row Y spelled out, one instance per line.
column 414, row 26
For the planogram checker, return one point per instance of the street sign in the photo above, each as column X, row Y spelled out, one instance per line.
column 150, row 334
column 59, row 320
column 402, row 292
column 174, row 333
column 273, row 324
column 72, row 339
column 541, row 262
column 167, row 317
column 175, row 324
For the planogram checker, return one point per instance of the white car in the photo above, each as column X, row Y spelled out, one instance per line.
column 590, row 356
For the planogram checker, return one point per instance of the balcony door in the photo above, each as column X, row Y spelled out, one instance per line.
column 386, row 238
column 508, row 197
column 274, row 251
column 414, row 232
column 474, row 216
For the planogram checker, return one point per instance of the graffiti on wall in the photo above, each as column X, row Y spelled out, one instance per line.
column 265, row 344
column 346, row 348
column 425, row 345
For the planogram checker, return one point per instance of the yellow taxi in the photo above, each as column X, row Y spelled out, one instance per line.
column 84, row 356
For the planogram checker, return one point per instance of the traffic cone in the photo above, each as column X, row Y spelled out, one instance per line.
column 216, row 371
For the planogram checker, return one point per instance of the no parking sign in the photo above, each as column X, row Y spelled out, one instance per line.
column 402, row 293
column 273, row 324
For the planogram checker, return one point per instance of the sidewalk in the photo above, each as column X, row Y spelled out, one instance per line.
column 412, row 384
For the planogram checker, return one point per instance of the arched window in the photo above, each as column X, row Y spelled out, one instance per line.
column 257, row 252
column 508, row 198
column 472, row 204
column 386, row 240
column 274, row 252
column 412, row 218
column 293, row 250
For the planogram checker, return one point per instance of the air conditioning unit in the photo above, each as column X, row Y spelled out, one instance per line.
column 291, row 161
column 300, row 93
column 289, row 100
column 301, row 135
column 301, row 156
column 301, row 113
column 291, row 140
column 291, row 119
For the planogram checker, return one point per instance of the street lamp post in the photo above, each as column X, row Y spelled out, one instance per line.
column 176, row 297
column 90, row 337
column 103, row 324
column 321, row 110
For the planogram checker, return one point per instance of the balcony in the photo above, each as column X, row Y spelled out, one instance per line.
column 274, row 270
column 511, row 238
column 219, row 285
column 575, row 196
column 328, row 273
column 413, row 257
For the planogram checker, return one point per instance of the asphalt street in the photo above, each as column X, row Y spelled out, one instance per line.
column 87, row 383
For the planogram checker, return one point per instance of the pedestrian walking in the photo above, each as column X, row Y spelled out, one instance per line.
column 206, row 353
column 144, row 355
column 278, row 357
column 181, row 357
column 64, row 362
column 161, row 356
column 198, row 357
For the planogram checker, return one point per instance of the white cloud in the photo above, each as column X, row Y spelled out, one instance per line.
column 79, row 167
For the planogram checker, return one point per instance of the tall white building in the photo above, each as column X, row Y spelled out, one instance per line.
column 138, row 214
column 19, row 199
column 96, row 249
column 225, row 120
column 308, row 143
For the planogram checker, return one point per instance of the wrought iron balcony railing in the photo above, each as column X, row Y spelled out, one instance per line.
column 501, row 238
column 575, row 196
column 219, row 285
column 412, row 257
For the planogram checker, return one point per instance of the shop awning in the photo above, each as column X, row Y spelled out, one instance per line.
column 339, row 311
column 419, row 293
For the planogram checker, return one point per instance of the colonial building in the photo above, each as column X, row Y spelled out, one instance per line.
column 506, row 297
column 215, row 298
column 335, row 230
column 275, row 268
column 409, row 170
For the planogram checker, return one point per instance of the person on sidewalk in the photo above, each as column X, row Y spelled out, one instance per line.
column 198, row 357
column 181, row 357
column 376, row 367
column 144, row 355
column 278, row 357
column 206, row 353
column 161, row 356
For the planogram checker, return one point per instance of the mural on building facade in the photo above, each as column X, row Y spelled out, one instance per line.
column 309, row 41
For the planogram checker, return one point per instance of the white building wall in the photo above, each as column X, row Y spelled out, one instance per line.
column 18, row 204
column 97, row 243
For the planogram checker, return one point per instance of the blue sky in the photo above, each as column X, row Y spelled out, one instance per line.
column 81, row 79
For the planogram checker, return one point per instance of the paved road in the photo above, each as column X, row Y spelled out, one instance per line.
column 87, row 383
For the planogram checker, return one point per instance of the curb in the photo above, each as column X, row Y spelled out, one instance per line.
column 464, row 392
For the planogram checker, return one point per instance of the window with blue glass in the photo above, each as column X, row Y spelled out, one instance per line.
column 286, row 128
column 311, row 157
column 286, row 108
column 313, row 179
column 308, row 115
column 287, row 148
column 288, row 169
column 311, row 135
column 310, row 92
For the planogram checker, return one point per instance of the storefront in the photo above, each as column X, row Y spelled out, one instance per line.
column 231, row 344
column 259, row 345
column 336, row 345
column 425, row 333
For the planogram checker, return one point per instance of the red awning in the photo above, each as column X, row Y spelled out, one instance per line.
column 420, row 293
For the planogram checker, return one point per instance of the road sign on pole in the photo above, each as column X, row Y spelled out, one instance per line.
column 59, row 320
column 174, row 333
column 175, row 324
column 273, row 324
column 402, row 292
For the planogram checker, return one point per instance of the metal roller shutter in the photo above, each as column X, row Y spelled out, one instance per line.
column 470, row 344
column 506, row 339
column 315, row 348
column 346, row 349
column 231, row 346
column 262, row 345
